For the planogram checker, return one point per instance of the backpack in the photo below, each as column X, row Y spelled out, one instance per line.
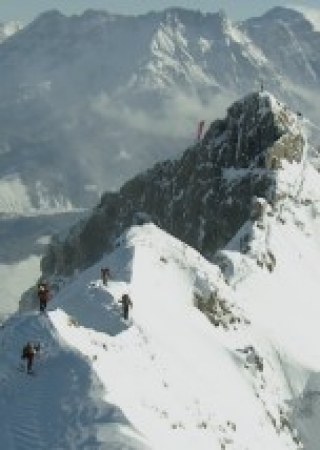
column 25, row 352
column 126, row 300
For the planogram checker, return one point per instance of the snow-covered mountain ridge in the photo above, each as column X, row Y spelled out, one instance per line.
column 220, row 356
column 248, row 374
column 168, row 374
column 204, row 197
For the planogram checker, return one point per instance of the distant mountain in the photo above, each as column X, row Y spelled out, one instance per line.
column 88, row 101
column 204, row 197
column 288, row 40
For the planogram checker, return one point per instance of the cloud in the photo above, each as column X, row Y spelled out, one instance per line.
column 176, row 117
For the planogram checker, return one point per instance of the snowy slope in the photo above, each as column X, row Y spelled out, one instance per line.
column 287, row 302
column 275, row 276
column 286, row 298
column 171, row 375
column 61, row 406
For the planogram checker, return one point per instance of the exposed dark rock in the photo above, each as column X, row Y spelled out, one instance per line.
column 220, row 312
column 202, row 198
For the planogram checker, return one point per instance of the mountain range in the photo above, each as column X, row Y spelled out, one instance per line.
column 89, row 101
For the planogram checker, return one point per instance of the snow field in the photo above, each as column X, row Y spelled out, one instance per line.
column 178, row 380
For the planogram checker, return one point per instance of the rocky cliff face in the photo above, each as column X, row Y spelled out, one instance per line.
column 202, row 198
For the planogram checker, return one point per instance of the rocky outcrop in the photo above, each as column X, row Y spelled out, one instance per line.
column 202, row 198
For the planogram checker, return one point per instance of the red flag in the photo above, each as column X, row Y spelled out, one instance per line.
column 200, row 129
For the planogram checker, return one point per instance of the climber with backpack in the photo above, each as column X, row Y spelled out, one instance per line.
column 105, row 275
column 43, row 295
column 126, row 304
column 28, row 353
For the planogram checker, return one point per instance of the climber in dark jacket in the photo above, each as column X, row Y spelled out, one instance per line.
column 28, row 353
column 105, row 275
column 126, row 304
column 43, row 295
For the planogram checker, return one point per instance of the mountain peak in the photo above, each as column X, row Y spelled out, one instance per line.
column 283, row 13
column 256, row 123
column 191, row 197
column 51, row 15
column 47, row 24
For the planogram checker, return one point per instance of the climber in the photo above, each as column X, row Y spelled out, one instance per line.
column 105, row 275
column 261, row 85
column 126, row 303
column 200, row 129
column 28, row 352
column 43, row 295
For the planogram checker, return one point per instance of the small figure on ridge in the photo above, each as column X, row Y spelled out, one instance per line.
column 43, row 295
column 126, row 304
column 105, row 275
column 28, row 353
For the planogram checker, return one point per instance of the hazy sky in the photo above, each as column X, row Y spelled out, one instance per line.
column 26, row 10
